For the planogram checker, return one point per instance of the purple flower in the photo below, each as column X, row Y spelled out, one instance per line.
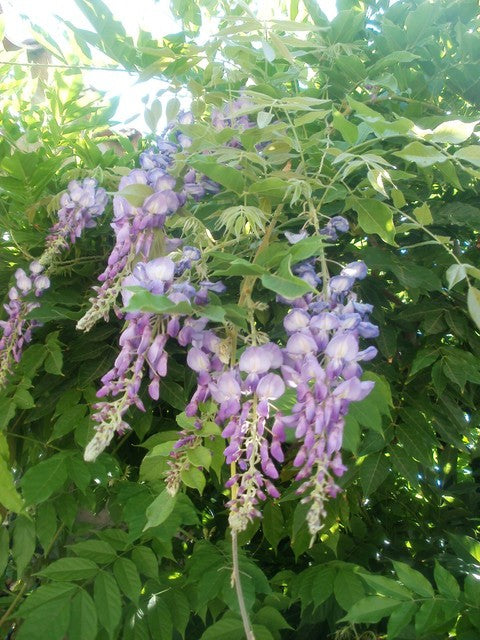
column 293, row 238
column 225, row 388
column 301, row 344
column 270, row 387
column 296, row 320
column 357, row 270
column 253, row 360
column 340, row 223
column 198, row 360
column 340, row 284
column 160, row 269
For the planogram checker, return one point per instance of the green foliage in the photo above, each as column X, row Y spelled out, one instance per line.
column 373, row 116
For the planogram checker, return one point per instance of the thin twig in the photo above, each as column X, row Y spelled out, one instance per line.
column 13, row 606
column 238, row 588
column 65, row 66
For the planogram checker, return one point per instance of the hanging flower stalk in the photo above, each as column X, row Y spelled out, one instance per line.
column 136, row 227
column 321, row 362
column 142, row 343
column 82, row 203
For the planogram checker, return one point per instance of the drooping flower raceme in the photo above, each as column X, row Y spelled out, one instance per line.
column 17, row 329
column 243, row 395
column 142, row 343
column 136, row 227
column 82, row 203
column 322, row 363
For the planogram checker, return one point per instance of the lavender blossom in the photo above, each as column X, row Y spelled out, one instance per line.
column 143, row 342
column 17, row 329
column 321, row 362
column 82, row 203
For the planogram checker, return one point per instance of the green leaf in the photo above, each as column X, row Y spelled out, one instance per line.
column 416, row 436
column 4, row 549
column 136, row 193
column 54, row 361
column 229, row 177
column 95, row 550
column 240, row 267
column 423, row 359
column 351, row 434
column 126, row 575
column 40, row 481
column 433, row 613
column 271, row 618
column 285, row 283
column 455, row 274
column 268, row 51
column 160, row 509
column 200, row 456
column 386, row 586
column 348, row 130
column 372, row 609
column 269, row 187
column 23, row 543
column 44, row 594
column 451, row 132
column 50, row 620
column 193, row 478
column 404, row 464
column 159, row 618
column 472, row 590
column 465, row 546
column 373, row 471
column 68, row 421
column 446, row 583
column 273, row 523
column 67, row 569
column 46, row 524
column 83, row 617
column 423, row 155
column 423, row 214
column 470, row 154
column 400, row 618
column 9, row 497
column 348, row 589
column 107, row 601
column 172, row 109
column 179, row 608
column 414, row 580
column 225, row 629
column 145, row 561
column 173, row 394
column 374, row 217
column 264, row 118
column 473, row 303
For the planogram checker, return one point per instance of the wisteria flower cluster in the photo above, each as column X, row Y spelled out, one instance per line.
column 143, row 341
column 17, row 329
column 81, row 204
column 320, row 361
column 136, row 227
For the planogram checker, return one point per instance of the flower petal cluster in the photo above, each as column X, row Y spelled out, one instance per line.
column 322, row 360
column 135, row 227
column 17, row 329
column 81, row 204
column 143, row 342
column 244, row 397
